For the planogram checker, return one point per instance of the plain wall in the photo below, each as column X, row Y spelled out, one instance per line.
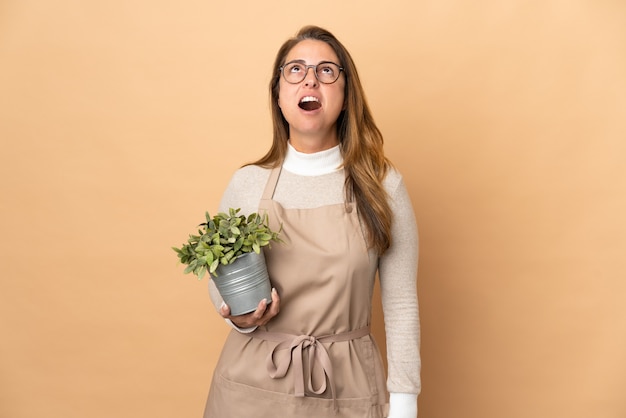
column 121, row 122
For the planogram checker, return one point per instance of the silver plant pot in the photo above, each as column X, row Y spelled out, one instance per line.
column 244, row 283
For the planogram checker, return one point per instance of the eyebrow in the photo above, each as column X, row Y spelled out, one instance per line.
column 301, row 61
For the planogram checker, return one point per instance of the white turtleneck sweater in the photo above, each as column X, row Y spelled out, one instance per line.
column 314, row 180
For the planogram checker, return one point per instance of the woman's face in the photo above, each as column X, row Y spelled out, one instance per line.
column 311, row 108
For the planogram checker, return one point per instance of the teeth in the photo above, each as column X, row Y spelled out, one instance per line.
column 307, row 99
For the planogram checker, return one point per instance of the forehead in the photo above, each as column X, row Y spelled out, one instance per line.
column 312, row 51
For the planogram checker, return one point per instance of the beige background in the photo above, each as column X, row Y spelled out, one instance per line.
column 121, row 123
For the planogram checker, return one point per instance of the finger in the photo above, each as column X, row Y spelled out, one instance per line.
column 275, row 305
column 275, row 297
column 260, row 310
column 224, row 310
column 251, row 319
column 272, row 309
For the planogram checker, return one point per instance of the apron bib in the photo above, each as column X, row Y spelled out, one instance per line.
column 316, row 358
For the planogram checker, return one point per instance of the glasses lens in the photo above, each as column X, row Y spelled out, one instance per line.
column 327, row 72
column 294, row 72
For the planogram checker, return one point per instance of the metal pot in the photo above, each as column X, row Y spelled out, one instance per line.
column 244, row 283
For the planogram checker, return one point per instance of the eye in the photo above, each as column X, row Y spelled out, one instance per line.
column 326, row 69
column 294, row 68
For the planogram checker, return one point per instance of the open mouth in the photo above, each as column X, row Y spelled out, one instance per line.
column 309, row 103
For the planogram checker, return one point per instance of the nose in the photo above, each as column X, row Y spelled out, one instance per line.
column 310, row 79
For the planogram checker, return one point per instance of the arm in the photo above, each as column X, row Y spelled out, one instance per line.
column 398, row 272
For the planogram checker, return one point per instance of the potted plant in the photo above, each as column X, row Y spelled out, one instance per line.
column 229, row 246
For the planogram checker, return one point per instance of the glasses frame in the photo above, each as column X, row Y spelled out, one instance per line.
column 306, row 71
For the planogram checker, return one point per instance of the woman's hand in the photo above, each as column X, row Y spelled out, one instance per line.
column 260, row 317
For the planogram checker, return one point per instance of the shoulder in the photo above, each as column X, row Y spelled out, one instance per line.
column 392, row 181
column 397, row 192
column 245, row 188
column 249, row 177
column 250, row 173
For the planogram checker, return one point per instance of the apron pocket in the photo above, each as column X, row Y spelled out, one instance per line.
column 229, row 399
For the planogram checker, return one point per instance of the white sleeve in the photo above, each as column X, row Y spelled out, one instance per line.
column 402, row 405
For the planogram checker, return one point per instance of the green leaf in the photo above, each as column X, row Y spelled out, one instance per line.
column 215, row 239
column 217, row 250
column 214, row 265
column 202, row 272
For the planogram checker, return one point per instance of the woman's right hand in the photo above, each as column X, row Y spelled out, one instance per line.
column 260, row 317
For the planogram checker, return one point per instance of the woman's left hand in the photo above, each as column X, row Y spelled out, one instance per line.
column 259, row 317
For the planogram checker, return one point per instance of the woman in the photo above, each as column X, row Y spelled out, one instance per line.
column 345, row 215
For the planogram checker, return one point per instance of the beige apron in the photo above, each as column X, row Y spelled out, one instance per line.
column 316, row 358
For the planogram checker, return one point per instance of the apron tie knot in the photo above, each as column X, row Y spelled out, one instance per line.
column 291, row 349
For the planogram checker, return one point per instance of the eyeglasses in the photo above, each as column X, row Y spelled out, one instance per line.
column 326, row 72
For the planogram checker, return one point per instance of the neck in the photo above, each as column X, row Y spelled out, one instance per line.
column 312, row 144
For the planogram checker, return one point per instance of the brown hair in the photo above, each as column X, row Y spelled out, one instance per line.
column 361, row 142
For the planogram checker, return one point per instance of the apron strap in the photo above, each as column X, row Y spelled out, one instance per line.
column 290, row 349
column 270, row 186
